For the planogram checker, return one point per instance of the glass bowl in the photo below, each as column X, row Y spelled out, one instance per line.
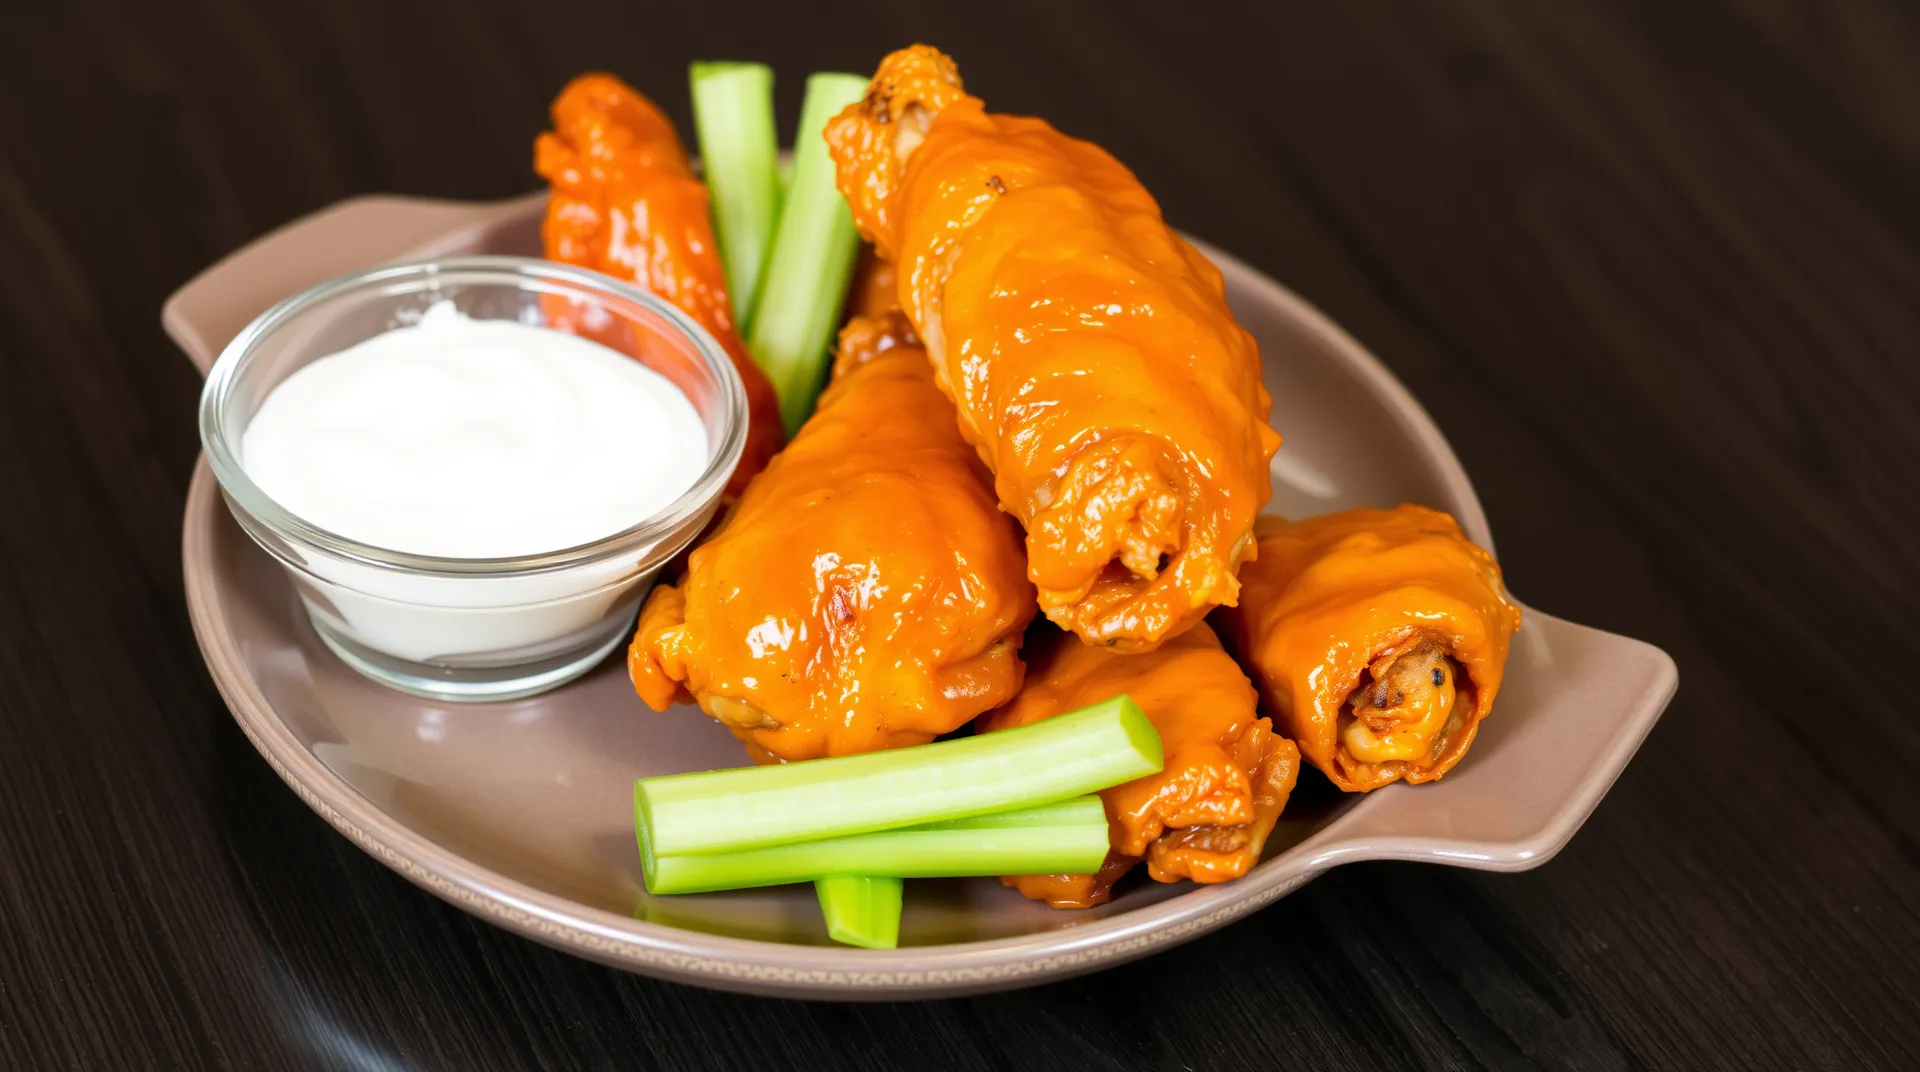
column 471, row 629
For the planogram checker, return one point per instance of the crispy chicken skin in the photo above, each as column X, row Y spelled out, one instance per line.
column 1207, row 813
column 624, row 201
column 1088, row 349
column 1377, row 637
column 865, row 592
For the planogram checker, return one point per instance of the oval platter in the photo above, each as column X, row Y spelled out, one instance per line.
column 520, row 813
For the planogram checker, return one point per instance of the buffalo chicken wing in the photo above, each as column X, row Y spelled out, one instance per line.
column 1378, row 638
column 625, row 202
column 1207, row 813
column 865, row 592
column 1087, row 347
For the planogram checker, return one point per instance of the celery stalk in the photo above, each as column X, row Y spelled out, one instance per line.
column 813, row 250
column 733, row 116
column 1080, row 752
column 1066, row 837
column 862, row 910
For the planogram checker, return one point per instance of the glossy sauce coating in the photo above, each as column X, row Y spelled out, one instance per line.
column 1385, row 615
column 874, row 290
column 1088, row 349
column 1207, row 813
column 625, row 202
column 866, row 592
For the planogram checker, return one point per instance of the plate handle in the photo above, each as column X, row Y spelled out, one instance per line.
column 206, row 313
column 1589, row 699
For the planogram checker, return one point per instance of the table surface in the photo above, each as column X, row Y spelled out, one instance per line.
column 1654, row 268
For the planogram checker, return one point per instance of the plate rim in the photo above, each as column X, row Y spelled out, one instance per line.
column 832, row 972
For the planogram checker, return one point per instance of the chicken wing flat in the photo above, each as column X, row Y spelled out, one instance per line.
column 1088, row 349
column 866, row 592
column 624, row 201
column 1207, row 813
column 1378, row 638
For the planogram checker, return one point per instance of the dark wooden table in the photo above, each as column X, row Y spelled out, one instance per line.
column 1654, row 267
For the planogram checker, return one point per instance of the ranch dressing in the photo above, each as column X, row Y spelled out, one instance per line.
column 464, row 438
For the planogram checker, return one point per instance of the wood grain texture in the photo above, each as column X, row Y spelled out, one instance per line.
column 1653, row 266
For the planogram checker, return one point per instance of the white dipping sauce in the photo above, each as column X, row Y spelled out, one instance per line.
column 466, row 438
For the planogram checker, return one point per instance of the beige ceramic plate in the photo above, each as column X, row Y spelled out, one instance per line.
column 520, row 812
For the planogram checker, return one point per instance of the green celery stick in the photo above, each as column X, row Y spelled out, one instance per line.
column 733, row 115
column 1066, row 837
column 1080, row 752
column 813, row 250
column 862, row 910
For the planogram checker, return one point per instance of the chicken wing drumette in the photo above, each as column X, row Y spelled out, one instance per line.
column 865, row 592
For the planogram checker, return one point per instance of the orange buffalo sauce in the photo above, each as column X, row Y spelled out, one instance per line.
column 874, row 290
column 865, row 592
column 1377, row 637
column 1088, row 349
column 625, row 202
column 1207, row 813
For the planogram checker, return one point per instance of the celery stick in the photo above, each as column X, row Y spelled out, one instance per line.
column 806, row 277
column 862, row 910
column 1066, row 837
column 1083, row 751
column 733, row 115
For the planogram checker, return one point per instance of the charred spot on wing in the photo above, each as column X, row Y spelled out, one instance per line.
column 994, row 184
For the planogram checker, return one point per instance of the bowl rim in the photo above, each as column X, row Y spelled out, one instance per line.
column 250, row 502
